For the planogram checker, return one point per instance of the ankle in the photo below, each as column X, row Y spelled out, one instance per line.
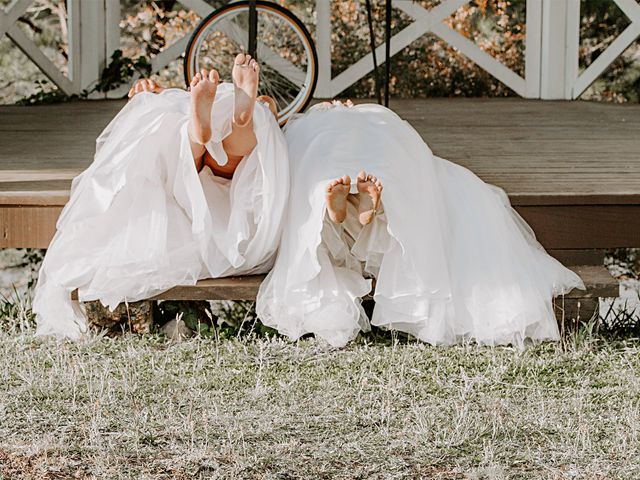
column 243, row 120
column 198, row 135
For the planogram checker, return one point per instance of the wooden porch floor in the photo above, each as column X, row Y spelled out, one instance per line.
column 572, row 169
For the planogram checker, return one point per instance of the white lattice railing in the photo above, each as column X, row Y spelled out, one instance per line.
column 551, row 58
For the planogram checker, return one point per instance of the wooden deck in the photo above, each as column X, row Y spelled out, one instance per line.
column 572, row 169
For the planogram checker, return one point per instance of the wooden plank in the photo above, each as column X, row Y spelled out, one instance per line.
column 228, row 288
column 537, row 151
column 27, row 226
column 546, row 155
column 584, row 226
column 572, row 257
column 597, row 279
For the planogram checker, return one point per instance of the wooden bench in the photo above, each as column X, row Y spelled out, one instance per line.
column 576, row 306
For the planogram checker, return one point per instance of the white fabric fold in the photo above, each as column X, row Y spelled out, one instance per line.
column 453, row 261
column 141, row 219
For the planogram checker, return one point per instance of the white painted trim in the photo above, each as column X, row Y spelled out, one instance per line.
column 323, row 47
column 600, row 64
column 73, row 27
column 11, row 13
column 424, row 20
column 31, row 50
column 572, row 47
column 533, row 48
column 482, row 58
column 630, row 8
column 169, row 54
column 112, row 27
column 201, row 7
column 551, row 54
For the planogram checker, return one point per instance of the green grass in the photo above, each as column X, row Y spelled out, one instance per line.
column 144, row 407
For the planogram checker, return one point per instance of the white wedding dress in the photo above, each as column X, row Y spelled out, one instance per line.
column 141, row 219
column 452, row 260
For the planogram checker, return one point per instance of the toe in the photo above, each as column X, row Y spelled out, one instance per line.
column 247, row 60
column 239, row 59
column 214, row 76
column 362, row 176
column 346, row 180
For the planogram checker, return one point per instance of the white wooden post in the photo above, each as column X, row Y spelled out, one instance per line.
column 533, row 49
column 93, row 36
column 559, row 56
column 323, row 44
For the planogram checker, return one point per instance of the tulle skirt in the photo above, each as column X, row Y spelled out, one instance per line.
column 141, row 219
column 452, row 260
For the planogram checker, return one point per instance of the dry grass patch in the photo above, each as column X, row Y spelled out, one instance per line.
column 142, row 407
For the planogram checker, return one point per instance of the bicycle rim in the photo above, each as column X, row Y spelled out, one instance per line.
column 287, row 56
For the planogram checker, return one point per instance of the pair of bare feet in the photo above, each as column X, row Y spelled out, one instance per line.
column 367, row 200
column 203, row 87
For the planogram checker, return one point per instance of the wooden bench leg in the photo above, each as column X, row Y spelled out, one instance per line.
column 137, row 317
column 570, row 312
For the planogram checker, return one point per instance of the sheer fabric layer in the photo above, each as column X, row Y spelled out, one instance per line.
column 141, row 220
column 453, row 260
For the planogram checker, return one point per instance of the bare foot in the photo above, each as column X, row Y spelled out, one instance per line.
column 203, row 92
column 337, row 193
column 144, row 85
column 370, row 189
column 245, row 74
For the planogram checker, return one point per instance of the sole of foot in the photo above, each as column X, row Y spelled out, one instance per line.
column 369, row 192
column 337, row 193
column 246, row 75
column 203, row 89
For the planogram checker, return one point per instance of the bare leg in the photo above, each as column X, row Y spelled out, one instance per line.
column 203, row 92
column 336, row 196
column 242, row 140
column 370, row 190
column 271, row 102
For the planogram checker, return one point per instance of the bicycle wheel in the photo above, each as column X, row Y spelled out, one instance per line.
column 286, row 52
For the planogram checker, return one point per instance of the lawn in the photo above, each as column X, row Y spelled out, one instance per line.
column 255, row 407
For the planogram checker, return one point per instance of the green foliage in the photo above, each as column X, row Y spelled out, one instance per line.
column 32, row 260
column 16, row 315
column 217, row 319
column 120, row 71
column 45, row 95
